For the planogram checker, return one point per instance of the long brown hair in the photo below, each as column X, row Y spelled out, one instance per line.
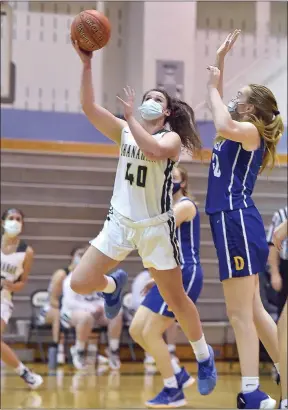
column 267, row 120
column 184, row 178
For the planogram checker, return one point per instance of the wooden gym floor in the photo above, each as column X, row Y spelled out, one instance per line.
column 126, row 389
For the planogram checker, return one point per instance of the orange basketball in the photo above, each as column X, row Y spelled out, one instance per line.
column 91, row 29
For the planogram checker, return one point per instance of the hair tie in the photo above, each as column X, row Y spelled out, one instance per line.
column 276, row 113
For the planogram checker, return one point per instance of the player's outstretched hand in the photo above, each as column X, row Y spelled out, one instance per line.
column 228, row 43
column 129, row 104
column 84, row 55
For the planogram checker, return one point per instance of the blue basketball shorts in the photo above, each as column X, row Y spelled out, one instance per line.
column 192, row 282
column 240, row 241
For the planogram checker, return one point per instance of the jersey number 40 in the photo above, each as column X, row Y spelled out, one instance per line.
column 141, row 175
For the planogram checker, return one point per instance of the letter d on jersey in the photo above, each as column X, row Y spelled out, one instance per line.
column 239, row 262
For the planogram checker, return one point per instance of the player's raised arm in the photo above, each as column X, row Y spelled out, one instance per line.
column 102, row 119
column 221, row 54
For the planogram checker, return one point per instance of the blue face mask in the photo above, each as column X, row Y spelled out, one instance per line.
column 176, row 187
column 151, row 110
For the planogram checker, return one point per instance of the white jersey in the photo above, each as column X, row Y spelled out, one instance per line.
column 72, row 300
column 12, row 268
column 143, row 188
column 137, row 287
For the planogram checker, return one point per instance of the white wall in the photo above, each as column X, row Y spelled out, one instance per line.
column 169, row 34
column 48, row 69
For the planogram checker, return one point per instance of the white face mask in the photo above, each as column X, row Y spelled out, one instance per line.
column 76, row 260
column 151, row 110
column 12, row 228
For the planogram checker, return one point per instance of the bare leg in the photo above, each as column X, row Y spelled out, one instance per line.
column 239, row 297
column 53, row 317
column 89, row 274
column 171, row 288
column 147, row 329
column 7, row 354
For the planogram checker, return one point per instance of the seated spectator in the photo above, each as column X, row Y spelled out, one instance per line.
column 50, row 313
column 84, row 312
column 278, row 261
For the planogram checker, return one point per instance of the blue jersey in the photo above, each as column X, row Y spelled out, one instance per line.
column 232, row 176
column 188, row 235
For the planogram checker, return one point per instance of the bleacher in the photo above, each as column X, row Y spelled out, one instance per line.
column 65, row 199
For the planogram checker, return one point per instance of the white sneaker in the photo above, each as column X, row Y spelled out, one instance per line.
column 102, row 360
column 78, row 358
column 32, row 379
column 114, row 360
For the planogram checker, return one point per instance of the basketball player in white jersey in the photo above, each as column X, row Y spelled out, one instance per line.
column 141, row 216
column 84, row 312
column 16, row 262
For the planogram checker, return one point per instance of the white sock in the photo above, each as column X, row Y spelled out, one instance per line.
column 20, row 369
column 111, row 285
column 92, row 348
column 175, row 365
column 284, row 404
column 277, row 367
column 114, row 344
column 171, row 348
column 249, row 384
column 200, row 349
column 171, row 383
column 80, row 346
column 60, row 348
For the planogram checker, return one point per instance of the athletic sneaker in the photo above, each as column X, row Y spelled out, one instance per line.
column 207, row 374
column 167, row 398
column 114, row 359
column 32, row 379
column 255, row 400
column 184, row 379
column 102, row 360
column 78, row 358
column 113, row 301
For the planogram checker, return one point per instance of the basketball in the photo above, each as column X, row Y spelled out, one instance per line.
column 91, row 29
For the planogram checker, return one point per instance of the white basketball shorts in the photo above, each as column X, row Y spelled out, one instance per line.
column 154, row 239
column 6, row 310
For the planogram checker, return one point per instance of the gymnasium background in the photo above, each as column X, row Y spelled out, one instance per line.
column 65, row 197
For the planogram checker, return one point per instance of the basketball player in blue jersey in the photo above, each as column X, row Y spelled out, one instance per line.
column 154, row 317
column 141, row 216
column 247, row 135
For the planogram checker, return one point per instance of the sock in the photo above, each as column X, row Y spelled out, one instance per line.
column 284, row 404
column 111, row 285
column 114, row 344
column 92, row 348
column 171, row 383
column 20, row 369
column 200, row 349
column 177, row 369
column 60, row 348
column 171, row 348
column 80, row 346
column 249, row 384
column 277, row 367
